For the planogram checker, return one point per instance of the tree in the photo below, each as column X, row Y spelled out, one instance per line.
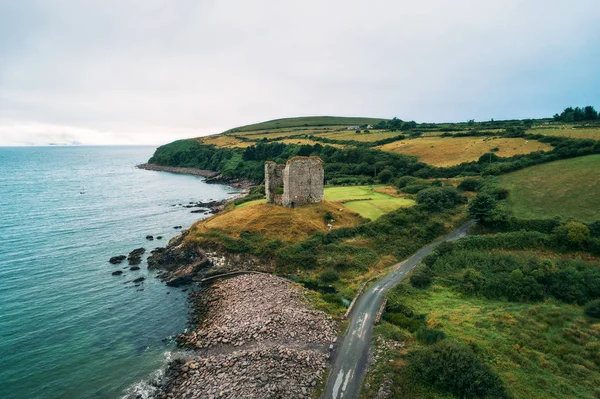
column 438, row 198
column 395, row 124
column 590, row 113
column 482, row 207
column 574, row 234
column 385, row 176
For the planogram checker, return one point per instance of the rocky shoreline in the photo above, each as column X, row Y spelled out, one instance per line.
column 253, row 335
column 210, row 175
column 256, row 337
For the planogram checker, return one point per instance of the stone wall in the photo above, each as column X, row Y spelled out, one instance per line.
column 302, row 179
column 273, row 182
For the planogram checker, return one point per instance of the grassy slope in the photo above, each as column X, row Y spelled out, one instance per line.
column 541, row 350
column 360, row 199
column 306, row 121
column 566, row 188
column 274, row 221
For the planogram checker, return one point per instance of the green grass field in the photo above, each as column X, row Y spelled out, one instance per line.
column 365, row 201
column 361, row 199
column 540, row 350
column 568, row 188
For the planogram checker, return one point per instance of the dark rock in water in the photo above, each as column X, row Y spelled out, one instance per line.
column 177, row 227
column 149, row 237
column 115, row 260
column 117, row 273
column 159, row 237
column 138, row 280
column 198, row 211
column 137, row 252
column 134, row 268
column 135, row 256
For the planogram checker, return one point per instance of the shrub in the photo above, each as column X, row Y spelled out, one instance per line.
column 430, row 336
column 573, row 234
column 469, row 185
column 333, row 299
column 438, row 198
column 454, row 368
column 592, row 308
column 329, row 276
column 421, row 277
column 402, row 321
column 472, row 282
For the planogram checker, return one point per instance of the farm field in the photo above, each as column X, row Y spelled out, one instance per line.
column 363, row 200
column 309, row 142
column 568, row 131
column 450, row 151
column 307, row 121
column 366, row 201
column 276, row 133
column 568, row 188
column 225, row 141
column 362, row 137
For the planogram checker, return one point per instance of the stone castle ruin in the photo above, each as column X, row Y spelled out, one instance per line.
column 298, row 182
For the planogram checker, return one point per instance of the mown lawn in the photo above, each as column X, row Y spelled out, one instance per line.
column 568, row 188
column 366, row 201
column 363, row 200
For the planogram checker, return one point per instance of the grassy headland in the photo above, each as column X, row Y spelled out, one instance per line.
column 506, row 307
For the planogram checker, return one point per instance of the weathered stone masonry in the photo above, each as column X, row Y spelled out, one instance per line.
column 298, row 182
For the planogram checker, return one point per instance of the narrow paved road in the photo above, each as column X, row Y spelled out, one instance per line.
column 351, row 359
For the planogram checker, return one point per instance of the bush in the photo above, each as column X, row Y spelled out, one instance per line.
column 592, row 308
column 329, row 276
column 421, row 277
column 454, row 368
column 438, row 198
column 402, row 321
column 574, row 234
column 430, row 336
column 469, row 185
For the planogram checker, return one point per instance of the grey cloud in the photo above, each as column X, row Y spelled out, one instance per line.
column 119, row 69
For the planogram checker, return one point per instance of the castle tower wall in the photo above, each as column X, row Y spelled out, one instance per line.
column 273, row 182
column 303, row 181
column 298, row 182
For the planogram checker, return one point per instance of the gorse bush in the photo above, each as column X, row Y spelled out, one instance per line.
column 454, row 368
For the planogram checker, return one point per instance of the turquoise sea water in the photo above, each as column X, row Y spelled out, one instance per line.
column 68, row 328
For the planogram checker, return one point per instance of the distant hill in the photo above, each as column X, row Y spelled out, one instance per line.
column 305, row 121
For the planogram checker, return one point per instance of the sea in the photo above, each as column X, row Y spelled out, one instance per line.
column 68, row 327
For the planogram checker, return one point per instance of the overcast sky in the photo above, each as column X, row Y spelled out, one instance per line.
column 152, row 71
